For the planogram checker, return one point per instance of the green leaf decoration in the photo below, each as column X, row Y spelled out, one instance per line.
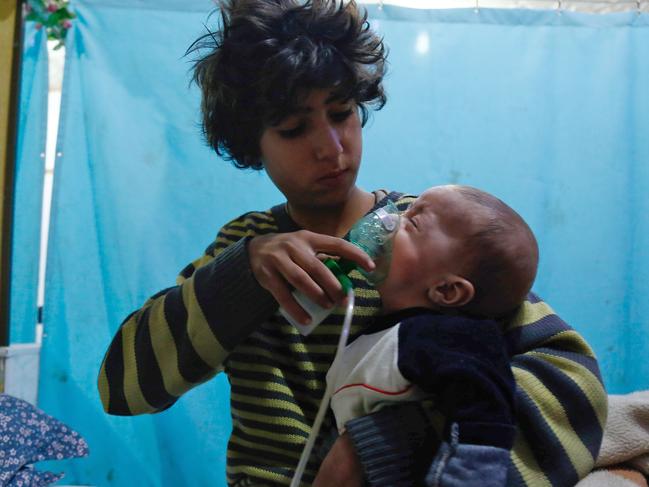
column 54, row 15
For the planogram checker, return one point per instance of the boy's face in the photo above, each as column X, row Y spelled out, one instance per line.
column 425, row 248
column 313, row 156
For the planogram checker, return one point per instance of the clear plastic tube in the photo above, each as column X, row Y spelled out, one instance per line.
column 324, row 404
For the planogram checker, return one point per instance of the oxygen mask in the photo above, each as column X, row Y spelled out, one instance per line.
column 374, row 233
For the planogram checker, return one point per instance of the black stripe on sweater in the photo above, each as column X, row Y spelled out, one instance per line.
column 287, row 369
column 308, row 407
column 588, row 363
column 190, row 365
column 268, row 456
column 114, row 368
column 206, row 286
column 280, row 430
column 581, row 414
column 254, row 393
column 273, row 413
column 546, row 447
column 149, row 379
column 287, row 353
column 527, row 337
column 514, row 478
column 252, row 480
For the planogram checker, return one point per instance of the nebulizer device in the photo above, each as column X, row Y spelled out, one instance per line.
column 373, row 233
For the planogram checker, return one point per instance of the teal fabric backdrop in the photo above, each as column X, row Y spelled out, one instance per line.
column 546, row 110
column 28, row 199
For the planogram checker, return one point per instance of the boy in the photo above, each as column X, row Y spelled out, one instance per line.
column 460, row 259
column 286, row 87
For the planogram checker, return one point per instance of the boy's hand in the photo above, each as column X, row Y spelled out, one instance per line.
column 284, row 261
column 341, row 467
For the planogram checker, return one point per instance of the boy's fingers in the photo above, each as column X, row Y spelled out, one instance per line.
column 304, row 278
column 285, row 299
column 293, row 261
column 342, row 248
column 321, row 277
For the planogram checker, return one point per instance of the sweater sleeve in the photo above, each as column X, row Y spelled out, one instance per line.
column 181, row 335
column 560, row 397
column 560, row 400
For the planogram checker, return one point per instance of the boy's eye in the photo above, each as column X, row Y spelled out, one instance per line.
column 291, row 133
column 341, row 116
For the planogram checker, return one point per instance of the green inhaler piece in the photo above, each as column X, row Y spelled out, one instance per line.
column 373, row 234
column 317, row 313
column 340, row 269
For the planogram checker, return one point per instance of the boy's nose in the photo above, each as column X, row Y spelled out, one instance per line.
column 327, row 142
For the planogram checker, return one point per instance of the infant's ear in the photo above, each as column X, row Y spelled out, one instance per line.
column 451, row 291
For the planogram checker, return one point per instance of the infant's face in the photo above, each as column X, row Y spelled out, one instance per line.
column 424, row 248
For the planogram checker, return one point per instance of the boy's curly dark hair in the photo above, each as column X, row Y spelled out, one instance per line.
column 268, row 54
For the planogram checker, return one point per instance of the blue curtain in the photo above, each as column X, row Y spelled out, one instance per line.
column 28, row 189
column 547, row 111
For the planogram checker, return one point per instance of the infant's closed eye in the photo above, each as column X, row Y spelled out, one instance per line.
column 410, row 223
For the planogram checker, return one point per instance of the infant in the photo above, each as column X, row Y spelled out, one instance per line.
column 462, row 261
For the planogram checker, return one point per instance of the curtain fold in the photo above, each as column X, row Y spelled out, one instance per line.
column 30, row 172
column 547, row 111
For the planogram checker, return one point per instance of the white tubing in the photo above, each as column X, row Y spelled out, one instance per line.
column 324, row 404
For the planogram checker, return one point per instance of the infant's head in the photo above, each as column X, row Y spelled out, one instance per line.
column 463, row 249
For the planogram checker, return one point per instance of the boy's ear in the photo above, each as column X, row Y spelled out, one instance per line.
column 451, row 291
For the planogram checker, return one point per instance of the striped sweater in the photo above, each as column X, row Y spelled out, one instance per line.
column 218, row 318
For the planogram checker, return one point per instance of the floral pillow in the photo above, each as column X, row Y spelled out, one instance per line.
column 28, row 435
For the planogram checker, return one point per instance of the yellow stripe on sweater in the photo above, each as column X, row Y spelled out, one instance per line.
column 224, row 241
column 261, row 402
column 233, row 232
column 207, row 346
column 302, row 365
column 271, row 417
column 250, row 470
column 526, row 464
column 266, row 349
column 255, row 445
column 132, row 392
column 166, row 353
column 555, row 417
column 577, row 343
column 269, row 434
column 530, row 313
column 102, row 385
column 200, row 262
column 248, row 222
column 585, row 380
column 261, row 383
column 281, row 375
